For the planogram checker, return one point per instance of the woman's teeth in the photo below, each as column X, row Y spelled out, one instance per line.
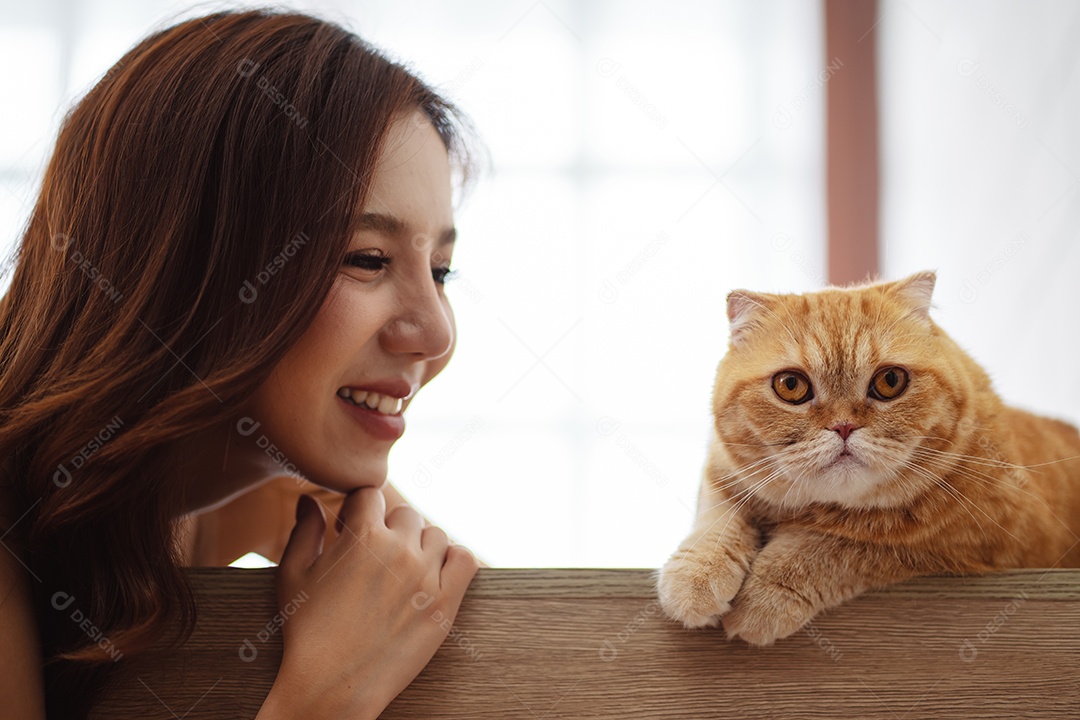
column 385, row 404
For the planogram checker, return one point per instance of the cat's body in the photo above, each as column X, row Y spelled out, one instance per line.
column 855, row 445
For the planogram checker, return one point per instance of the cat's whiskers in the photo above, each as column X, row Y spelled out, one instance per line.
column 974, row 459
column 955, row 492
column 951, row 491
column 961, row 462
column 895, row 475
column 744, row 478
column 758, row 465
column 734, row 512
column 987, row 460
column 719, row 484
column 730, row 512
column 791, row 486
column 978, row 476
column 742, row 497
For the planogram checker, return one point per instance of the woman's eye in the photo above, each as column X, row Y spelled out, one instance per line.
column 442, row 274
column 375, row 261
column 367, row 260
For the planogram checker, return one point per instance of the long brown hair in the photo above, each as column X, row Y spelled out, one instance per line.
column 191, row 221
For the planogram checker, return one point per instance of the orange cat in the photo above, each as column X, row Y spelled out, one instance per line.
column 856, row 445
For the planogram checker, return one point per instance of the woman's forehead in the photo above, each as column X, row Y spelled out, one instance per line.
column 411, row 185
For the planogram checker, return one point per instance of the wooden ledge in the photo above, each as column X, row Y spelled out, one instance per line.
column 584, row 643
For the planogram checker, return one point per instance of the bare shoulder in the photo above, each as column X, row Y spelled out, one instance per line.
column 22, row 691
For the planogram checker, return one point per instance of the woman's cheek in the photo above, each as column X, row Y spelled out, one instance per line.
column 352, row 318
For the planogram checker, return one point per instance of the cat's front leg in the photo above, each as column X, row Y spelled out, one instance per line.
column 697, row 583
column 799, row 573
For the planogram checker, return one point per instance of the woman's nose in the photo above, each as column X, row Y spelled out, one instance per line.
column 423, row 324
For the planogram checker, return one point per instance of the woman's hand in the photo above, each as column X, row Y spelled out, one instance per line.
column 368, row 613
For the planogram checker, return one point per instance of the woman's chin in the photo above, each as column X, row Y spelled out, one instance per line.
column 365, row 472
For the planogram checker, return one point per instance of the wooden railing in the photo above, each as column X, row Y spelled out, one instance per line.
column 593, row 644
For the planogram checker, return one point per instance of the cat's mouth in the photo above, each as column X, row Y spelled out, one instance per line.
column 846, row 458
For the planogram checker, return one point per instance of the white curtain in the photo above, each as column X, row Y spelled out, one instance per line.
column 981, row 142
column 648, row 159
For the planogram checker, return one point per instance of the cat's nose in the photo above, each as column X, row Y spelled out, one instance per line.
column 844, row 429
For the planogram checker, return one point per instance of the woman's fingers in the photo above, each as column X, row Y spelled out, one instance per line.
column 306, row 540
column 360, row 622
column 434, row 541
column 363, row 508
column 404, row 519
column 457, row 571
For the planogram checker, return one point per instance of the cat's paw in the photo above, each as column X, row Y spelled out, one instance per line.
column 696, row 591
column 764, row 612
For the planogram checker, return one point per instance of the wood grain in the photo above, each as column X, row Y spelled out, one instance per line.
column 588, row 643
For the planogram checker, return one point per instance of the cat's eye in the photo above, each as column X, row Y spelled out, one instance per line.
column 792, row 387
column 888, row 383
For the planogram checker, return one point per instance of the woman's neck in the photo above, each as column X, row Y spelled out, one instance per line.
column 219, row 466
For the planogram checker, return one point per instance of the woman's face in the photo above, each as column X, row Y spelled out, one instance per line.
column 385, row 329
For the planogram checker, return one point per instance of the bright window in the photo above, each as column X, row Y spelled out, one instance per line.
column 647, row 159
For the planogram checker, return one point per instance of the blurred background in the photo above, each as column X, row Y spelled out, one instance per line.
column 648, row 159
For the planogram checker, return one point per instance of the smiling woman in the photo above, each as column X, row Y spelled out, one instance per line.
column 279, row 260
column 334, row 403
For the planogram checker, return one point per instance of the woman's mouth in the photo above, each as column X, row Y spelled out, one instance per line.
column 383, row 404
column 379, row 415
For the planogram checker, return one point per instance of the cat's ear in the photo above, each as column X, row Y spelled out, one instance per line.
column 916, row 291
column 744, row 309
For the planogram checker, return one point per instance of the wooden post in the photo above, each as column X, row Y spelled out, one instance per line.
column 564, row 644
column 852, row 156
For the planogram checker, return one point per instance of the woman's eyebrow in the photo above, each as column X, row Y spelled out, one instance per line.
column 393, row 226
column 380, row 222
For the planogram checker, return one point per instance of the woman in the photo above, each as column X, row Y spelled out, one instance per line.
column 233, row 273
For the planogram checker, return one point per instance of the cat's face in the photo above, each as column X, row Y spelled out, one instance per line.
column 842, row 396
